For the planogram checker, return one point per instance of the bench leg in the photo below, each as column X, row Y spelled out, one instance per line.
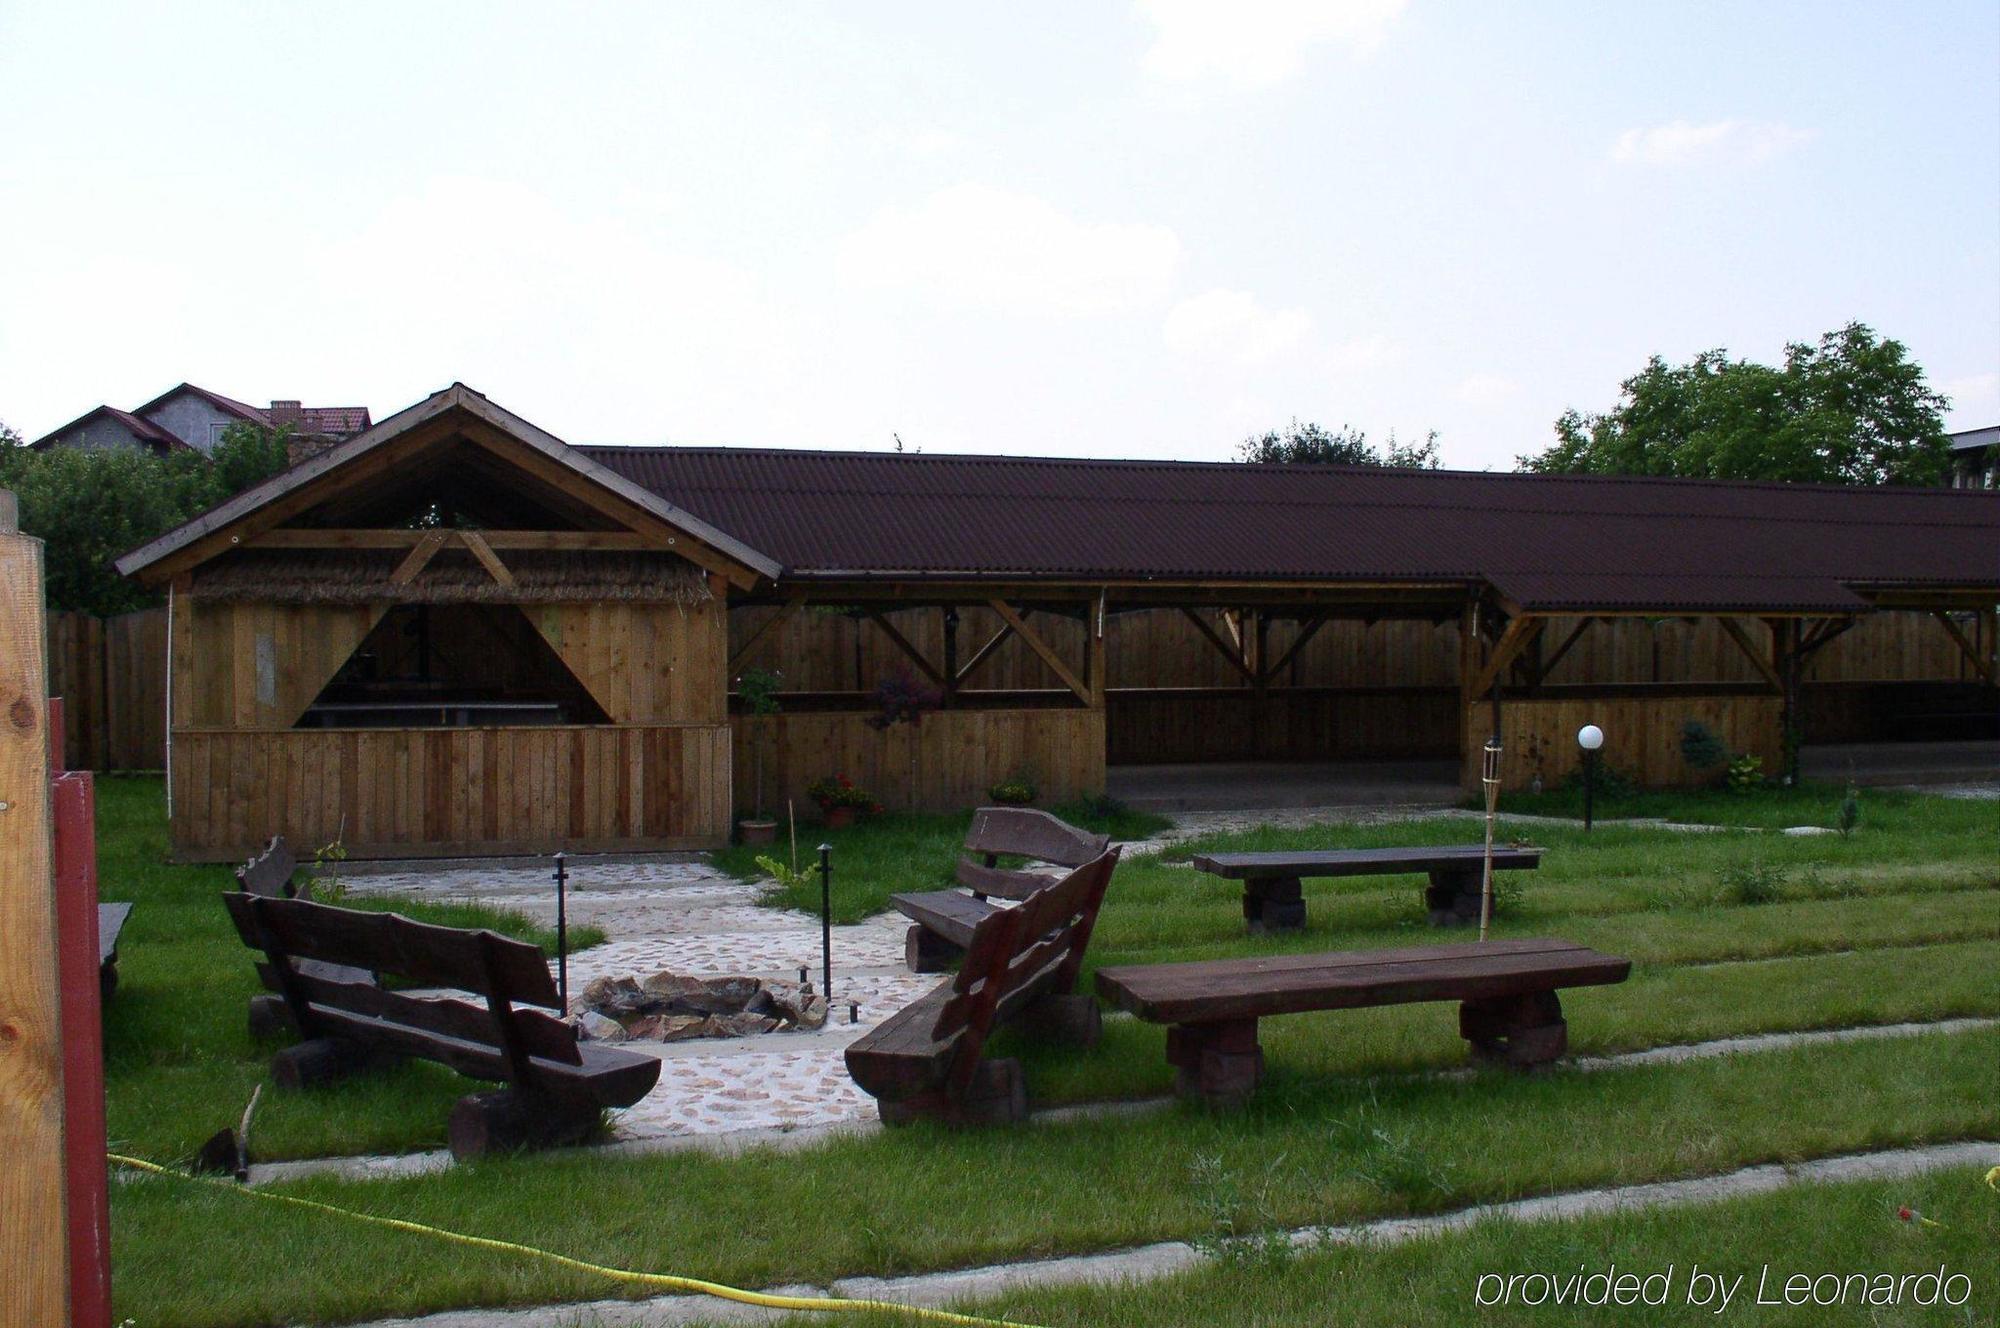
column 927, row 952
column 1219, row 1064
column 271, row 1018
column 1073, row 1020
column 323, row 1060
column 1453, row 896
column 508, row 1119
column 1273, row 903
column 1520, row 1031
column 997, row 1095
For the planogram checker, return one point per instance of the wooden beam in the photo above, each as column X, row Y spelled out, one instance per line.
column 1226, row 650
column 293, row 537
column 979, row 656
column 770, row 624
column 1983, row 667
column 1306, row 633
column 930, row 670
column 488, row 559
column 1042, row 648
column 1766, row 667
column 420, row 557
column 1518, row 633
column 1825, row 633
column 34, row 1238
column 1549, row 664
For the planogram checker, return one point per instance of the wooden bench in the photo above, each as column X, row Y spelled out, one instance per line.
column 1274, row 900
column 1509, row 1011
column 556, row 1086
column 1021, row 963
column 943, row 920
column 274, row 874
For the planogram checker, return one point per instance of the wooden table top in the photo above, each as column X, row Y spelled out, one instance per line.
column 1219, row 989
column 1362, row 861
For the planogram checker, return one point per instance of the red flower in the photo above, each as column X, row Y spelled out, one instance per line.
column 1906, row 1213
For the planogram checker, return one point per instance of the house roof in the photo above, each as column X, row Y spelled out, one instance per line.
column 1971, row 440
column 143, row 429
column 228, row 405
column 324, row 421
column 1552, row 543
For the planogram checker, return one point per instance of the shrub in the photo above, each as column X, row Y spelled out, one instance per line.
column 1746, row 772
column 1014, row 791
column 840, row 791
column 1604, row 778
column 1753, row 882
column 1700, row 748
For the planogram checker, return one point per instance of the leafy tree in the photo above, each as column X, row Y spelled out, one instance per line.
column 1853, row 409
column 88, row 506
column 1310, row 444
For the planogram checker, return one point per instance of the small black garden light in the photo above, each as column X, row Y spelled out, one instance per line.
column 1590, row 738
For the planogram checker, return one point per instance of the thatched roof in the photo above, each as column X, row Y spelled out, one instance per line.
column 365, row 576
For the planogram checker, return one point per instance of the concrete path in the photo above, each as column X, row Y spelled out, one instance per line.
column 1152, row 1261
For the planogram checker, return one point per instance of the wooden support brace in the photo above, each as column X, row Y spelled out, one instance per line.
column 981, row 655
column 488, row 559
column 1519, row 632
column 419, row 557
column 1226, row 650
column 1306, row 633
column 1041, row 648
column 770, row 625
column 902, row 643
column 1765, row 667
column 1983, row 667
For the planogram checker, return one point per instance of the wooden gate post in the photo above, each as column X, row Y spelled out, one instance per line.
column 34, row 1253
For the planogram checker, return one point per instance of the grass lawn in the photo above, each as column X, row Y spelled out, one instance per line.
column 179, row 1062
column 1457, row 1278
column 1900, row 921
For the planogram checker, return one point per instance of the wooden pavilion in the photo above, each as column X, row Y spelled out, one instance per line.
column 456, row 634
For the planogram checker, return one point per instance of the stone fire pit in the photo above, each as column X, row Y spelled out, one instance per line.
column 671, row 1007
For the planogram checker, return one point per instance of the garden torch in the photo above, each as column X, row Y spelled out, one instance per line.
column 1489, row 779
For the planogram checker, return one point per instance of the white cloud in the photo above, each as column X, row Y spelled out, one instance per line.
column 1487, row 389
column 1364, row 354
column 1234, row 325
column 1740, row 142
column 1256, row 43
column 976, row 245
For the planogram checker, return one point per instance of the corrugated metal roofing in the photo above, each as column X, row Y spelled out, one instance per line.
column 1551, row 542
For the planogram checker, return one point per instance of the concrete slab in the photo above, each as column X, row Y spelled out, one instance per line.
column 1877, row 763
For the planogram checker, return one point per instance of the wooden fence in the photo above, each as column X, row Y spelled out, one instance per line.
column 112, row 676
column 1642, row 735
column 450, row 792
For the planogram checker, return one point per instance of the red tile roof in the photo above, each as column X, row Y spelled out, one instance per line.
column 1545, row 542
column 325, row 421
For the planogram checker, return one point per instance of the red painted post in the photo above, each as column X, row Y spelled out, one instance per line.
column 73, row 804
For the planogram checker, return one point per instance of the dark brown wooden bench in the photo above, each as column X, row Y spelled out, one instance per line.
column 274, row 874
column 1509, row 1011
column 1021, row 964
column 556, row 1086
column 1274, row 900
column 943, row 920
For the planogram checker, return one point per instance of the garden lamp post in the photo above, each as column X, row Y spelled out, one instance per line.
column 1489, row 780
column 1590, row 738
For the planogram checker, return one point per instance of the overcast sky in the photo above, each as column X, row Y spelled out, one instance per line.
column 1113, row 230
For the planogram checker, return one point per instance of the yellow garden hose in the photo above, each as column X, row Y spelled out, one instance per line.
column 665, row 1281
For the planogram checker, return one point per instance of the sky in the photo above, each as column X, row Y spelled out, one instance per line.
column 1119, row 230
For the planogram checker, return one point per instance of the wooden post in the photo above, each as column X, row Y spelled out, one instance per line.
column 950, row 621
column 34, row 1210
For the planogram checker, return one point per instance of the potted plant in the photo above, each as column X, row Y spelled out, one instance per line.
column 841, row 803
column 901, row 699
column 758, row 691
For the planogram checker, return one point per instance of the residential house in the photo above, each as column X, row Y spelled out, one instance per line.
column 193, row 418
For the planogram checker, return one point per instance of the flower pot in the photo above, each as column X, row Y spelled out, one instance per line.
column 839, row 818
column 757, row 832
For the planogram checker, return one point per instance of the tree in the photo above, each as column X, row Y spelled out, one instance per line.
column 1309, row 444
column 1853, row 409
column 88, row 506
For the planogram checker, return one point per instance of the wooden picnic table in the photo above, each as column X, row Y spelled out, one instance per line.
column 1274, row 900
column 1509, row 1011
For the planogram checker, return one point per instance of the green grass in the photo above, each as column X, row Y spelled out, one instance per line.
column 179, row 1060
column 1309, row 1149
column 1436, row 1281
column 901, row 851
column 1806, row 803
column 1900, row 921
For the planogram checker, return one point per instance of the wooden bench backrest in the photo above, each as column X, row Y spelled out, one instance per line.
column 1034, row 948
column 270, row 872
column 505, row 972
column 1022, row 832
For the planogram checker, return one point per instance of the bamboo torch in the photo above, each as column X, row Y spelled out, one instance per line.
column 1489, row 779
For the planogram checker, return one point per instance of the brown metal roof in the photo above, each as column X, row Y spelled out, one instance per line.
column 1546, row 542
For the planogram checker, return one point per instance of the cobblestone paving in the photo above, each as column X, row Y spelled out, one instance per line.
column 691, row 918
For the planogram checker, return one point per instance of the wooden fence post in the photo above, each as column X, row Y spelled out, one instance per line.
column 34, row 1253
